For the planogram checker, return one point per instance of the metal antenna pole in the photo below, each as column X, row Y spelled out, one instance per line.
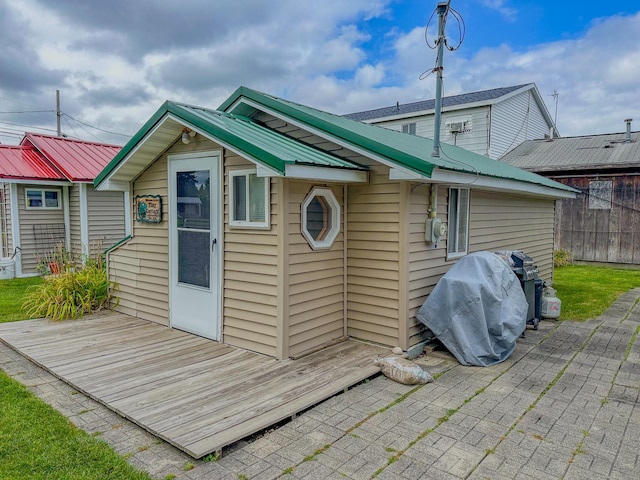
column 442, row 10
column 58, row 113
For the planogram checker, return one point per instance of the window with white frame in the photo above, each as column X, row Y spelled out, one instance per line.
column 248, row 199
column 409, row 128
column 320, row 218
column 458, row 238
column 42, row 198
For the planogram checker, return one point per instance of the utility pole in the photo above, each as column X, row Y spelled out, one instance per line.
column 442, row 9
column 58, row 113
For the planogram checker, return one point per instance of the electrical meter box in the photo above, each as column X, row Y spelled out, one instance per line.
column 434, row 230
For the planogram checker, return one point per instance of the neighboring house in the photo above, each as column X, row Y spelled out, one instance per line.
column 313, row 225
column 603, row 223
column 490, row 122
column 47, row 199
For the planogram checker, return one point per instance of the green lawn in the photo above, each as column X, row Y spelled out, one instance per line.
column 11, row 298
column 36, row 441
column 587, row 291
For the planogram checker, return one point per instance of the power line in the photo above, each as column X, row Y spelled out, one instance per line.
column 96, row 128
column 28, row 111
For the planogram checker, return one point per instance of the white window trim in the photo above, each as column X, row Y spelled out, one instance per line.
column 407, row 127
column 267, row 202
column 331, row 235
column 42, row 193
column 451, row 228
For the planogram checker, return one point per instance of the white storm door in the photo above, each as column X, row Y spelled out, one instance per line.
column 194, row 257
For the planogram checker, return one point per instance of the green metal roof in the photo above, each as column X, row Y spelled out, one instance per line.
column 267, row 147
column 408, row 151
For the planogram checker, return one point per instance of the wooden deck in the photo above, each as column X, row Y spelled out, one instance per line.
column 194, row 393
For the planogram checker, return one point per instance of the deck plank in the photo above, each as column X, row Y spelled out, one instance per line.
column 196, row 394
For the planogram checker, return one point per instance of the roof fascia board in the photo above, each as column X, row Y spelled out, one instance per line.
column 132, row 145
column 112, row 185
column 27, row 181
column 502, row 184
column 343, row 175
column 321, row 133
column 432, row 111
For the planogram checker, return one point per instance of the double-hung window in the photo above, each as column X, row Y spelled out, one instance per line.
column 42, row 198
column 248, row 199
column 458, row 238
column 409, row 128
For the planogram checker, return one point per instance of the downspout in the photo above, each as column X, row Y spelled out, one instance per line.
column 345, row 278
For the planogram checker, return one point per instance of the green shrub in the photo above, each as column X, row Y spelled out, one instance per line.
column 562, row 257
column 74, row 292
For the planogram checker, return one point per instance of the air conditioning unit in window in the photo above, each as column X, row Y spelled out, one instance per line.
column 456, row 127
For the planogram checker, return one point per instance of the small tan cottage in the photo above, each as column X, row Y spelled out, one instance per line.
column 280, row 228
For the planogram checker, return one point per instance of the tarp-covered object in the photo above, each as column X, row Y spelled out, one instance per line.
column 477, row 310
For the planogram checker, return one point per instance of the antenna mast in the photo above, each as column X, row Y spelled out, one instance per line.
column 442, row 9
column 58, row 113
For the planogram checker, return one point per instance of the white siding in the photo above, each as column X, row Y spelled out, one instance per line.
column 513, row 121
column 474, row 138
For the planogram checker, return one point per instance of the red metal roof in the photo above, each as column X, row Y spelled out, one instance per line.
column 26, row 163
column 78, row 160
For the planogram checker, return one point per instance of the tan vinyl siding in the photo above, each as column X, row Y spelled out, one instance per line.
column 374, row 274
column 141, row 265
column 106, row 219
column 427, row 264
column 510, row 222
column 316, row 280
column 74, row 218
column 28, row 218
column 250, row 289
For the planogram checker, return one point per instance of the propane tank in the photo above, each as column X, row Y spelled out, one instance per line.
column 551, row 304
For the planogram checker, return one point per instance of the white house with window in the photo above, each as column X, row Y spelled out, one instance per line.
column 489, row 122
column 316, row 228
column 47, row 201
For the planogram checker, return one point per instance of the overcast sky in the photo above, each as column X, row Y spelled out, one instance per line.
column 116, row 61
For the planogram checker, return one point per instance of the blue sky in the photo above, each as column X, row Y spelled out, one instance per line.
column 115, row 62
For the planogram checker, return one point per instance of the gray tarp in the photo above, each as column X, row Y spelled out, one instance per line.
column 477, row 310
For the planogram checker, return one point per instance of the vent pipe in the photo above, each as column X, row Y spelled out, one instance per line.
column 628, row 122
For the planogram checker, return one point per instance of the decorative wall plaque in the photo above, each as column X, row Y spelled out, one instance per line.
column 148, row 208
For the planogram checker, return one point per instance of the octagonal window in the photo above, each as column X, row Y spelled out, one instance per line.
column 320, row 218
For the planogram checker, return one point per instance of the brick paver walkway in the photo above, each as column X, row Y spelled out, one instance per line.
column 564, row 405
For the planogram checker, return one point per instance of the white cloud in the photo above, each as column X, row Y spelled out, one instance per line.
column 114, row 70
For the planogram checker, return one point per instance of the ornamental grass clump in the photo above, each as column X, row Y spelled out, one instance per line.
column 77, row 290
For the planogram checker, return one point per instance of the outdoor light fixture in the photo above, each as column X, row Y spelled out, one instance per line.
column 187, row 135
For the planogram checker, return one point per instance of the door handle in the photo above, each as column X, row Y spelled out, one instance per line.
column 213, row 244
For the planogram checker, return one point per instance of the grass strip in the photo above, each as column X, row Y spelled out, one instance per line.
column 37, row 442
